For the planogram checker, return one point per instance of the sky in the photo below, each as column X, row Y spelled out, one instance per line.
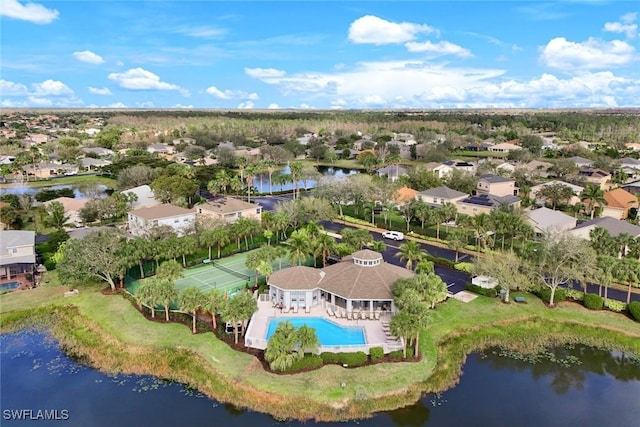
column 319, row 54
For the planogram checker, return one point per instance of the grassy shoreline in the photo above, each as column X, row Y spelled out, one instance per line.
column 90, row 326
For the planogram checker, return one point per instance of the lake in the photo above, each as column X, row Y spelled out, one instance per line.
column 569, row 386
column 261, row 181
column 18, row 189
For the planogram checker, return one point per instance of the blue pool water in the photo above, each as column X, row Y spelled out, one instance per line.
column 9, row 285
column 328, row 332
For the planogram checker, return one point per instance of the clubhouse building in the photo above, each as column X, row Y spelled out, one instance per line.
column 360, row 282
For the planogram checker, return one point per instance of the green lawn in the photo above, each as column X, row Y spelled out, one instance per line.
column 487, row 317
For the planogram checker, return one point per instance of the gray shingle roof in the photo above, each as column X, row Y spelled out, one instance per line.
column 614, row 226
column 492, row 179
column 490, row 200
column 545, row 218
column 15, row 239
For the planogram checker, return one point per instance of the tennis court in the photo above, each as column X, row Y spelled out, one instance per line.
column 228, row 275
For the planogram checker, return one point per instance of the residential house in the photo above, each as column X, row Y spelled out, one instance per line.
column 90, row 164
column 99, row 151
column 229, row 209
column 505, row 167
column 504, row 147
column 405, row 195
column 91, row 131
column 438, row 196
column 549, row 221
column 71, row 206
column 596, row 177
column 160, row 148
column 619, row 202
column 496, row 185
column 392, row 172
column 581, row 162
column 7, row 160
column 485, row 203
column 404, row 138
column 576, row 189
column 143, row 220
column 614, row 227
column 630, row 166
column 145, row 197
column 2, row 224
column 47, row 170
column 34, row 139
column 445, row 168
column 538, row 168
column 632, row 187
column 17, row 253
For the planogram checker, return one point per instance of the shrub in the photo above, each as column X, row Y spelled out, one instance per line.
column 480, row 290
column 396, row 354
column 308, row 361
column 464, row 266
column 329, row 358
column 615, row 305
column 410, row 351
column 593, row 301
column 441, row 261
column 376, row 353
column 575, row 294
column 352, row 359
column 634, row 310
column 545, row 294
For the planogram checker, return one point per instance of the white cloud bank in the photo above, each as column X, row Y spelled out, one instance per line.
column 231, row 94
column 88, row 57
column 439, row 48
column 100, row 91
column 261, row 73
column 141, row 79
column 626, row 25
column 592, row 54
column 373, row 30
column 31, row 12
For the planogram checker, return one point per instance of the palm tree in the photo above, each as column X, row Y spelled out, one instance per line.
column 254, row 261
column 424, row 266
column 623, row 242
column 142, row 248
column 250, row 170
column 222, row 237
column 438, row 216
column 325, row 245
column 299, row 248
column 188, row 245
column 402, row 324
column 236, row 185
column 281, row 349
column 232, row 313
column 482, row 226
column 191, row 300
column 628, row 270
column 220, row 183
column 308, row 341
column 605, row 269
column 280, row 224
column 56, row 216
column 214, row 302
column 378, row 246
column 449, row 213
column 167, row 293
column 146, row 295
column 296, row 170
column 241, row 163
column 271, row 168
column 594, row 196
column 264, row 269
column 435, row 290
column 169, row 270
column 602, row 242
column 410, row 252
column 424, row 213
column 456, row 240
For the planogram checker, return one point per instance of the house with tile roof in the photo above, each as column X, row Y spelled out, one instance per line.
column 361, row 281
column 229, row 209
column 546, row 221
column 496, row 185
column 619, row 202
column 504, row 147
column 142, row 220
column 596, row 177
column 404, row 195
column 438, row 196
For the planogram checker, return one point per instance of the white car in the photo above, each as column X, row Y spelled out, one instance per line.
column 393, row 235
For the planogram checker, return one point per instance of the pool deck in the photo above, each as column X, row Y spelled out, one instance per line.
column 373, row 329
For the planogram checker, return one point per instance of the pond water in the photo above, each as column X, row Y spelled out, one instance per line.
column 571, row 386
column 79, row 192
column 261, row 181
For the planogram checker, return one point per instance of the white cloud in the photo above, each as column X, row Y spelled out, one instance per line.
column 8, row 88
column 100, row 91
column 373, row 30
column 147, row 104
column 306, row 106
column 626, row 25
column 246, row 105
column 182, row 106
column 39, row 101
column 439, row 48
column 205, row 32
column 88, row 57
column 273, row 107
column 117, row 105
column 261, row 73
column 51, row 88
column 141, row 79
column 591, row 54
column 31, row 12
column 231, row 94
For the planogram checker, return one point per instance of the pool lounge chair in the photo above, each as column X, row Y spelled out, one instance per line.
column 365, row 315
column 376, row 315
column 295, row 309
column 307, row 309
column 340, row 314
column 285, row 310
column 330, row 312
column 349, row 315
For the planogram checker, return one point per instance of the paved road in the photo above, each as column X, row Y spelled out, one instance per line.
column 454, row 279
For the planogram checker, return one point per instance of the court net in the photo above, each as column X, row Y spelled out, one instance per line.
column 230, row 271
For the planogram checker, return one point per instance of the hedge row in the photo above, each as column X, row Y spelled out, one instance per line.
column 307, row 362
column 491, row 292
column 634, row 310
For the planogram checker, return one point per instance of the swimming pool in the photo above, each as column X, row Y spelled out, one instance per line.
column 328, row 333
column 9, row 286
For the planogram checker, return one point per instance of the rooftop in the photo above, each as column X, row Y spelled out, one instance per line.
column 490, row 200
column 494, row 179
column 620, row 198
column 225, row 205
column 69, row 203
column 442, row 192
column 615, row 227
column 161, row 211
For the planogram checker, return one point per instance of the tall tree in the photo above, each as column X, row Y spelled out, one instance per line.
column 192, row 300
column 299, row 248
column 506, row 268
column 628, row 270
column 296, row 170
column 281, row 350
column 167, row 293
column 594, row 196
column 555, row 194
column 410, row 253
column 214, row 302
column 56, row 216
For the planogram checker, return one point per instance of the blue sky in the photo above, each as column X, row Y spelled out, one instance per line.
column 320, row 55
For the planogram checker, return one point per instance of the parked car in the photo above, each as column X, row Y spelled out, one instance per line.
column 393, row 235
